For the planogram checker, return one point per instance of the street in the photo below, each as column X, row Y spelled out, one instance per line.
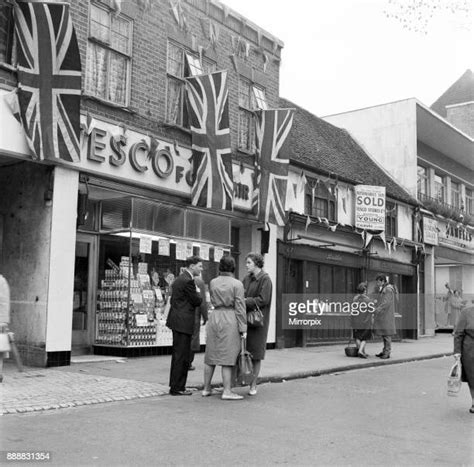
column 393, row 415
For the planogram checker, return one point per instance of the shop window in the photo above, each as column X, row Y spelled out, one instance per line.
column 422, row 180
column 439, row 188
column 108, row 56
column 469, row 202
column 7, row 36
column 251, row 98
column 320, row 201
column 181, row 64
column 455, row 194
column 391, row 219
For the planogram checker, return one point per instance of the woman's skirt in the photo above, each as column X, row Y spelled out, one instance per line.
column 222, row 338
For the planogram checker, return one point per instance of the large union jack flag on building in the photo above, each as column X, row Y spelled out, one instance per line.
column 208, row 107
column 49, row 79
column 271, row 167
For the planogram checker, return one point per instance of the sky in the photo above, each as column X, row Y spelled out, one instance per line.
column 341, row 55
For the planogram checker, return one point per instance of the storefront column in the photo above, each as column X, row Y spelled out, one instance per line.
column 429, row 294
column 61, row 267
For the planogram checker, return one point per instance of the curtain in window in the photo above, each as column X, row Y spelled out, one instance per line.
column 173, row 107
column 118, row 79
column 96, row 71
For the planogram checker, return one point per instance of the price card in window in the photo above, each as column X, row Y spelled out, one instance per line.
column 204, row 252
column 141, row 319
column 218, row 254
column 164, row 247
column 145, row 244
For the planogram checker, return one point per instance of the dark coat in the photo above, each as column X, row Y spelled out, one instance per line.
column 464, row 344
column 184, row 300
column 258, row 291
column 384, row 315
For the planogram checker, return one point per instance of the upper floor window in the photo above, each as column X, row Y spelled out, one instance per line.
column 108, row 56
column 422, row 180
column 180, row 64
column 390, row 219
column 251, row 98
column 320, row 201
column 469, row 202
column 7, row 36
column 455, row 194
column 439, row 188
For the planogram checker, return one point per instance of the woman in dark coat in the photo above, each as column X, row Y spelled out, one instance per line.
column 361, row 322
column 464, row 347
column 258, row 292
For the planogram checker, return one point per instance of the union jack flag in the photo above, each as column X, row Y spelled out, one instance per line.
column 49, row 79
column 271, row 168
column 208, row 106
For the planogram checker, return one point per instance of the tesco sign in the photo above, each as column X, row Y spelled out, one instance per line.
column 370, row 207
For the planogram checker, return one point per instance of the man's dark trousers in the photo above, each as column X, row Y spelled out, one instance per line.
column 180, row 361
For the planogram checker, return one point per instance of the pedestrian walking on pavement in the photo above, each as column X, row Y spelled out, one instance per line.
column 184, row 299
column 200, row 314
column 227, row 324
column 464, row 348
column 361, row 319
column 258, row 293
column 4, row 320
column 384, row 315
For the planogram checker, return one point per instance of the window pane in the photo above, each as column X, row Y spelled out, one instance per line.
column 175, row 60
column 96, row 70
column 120, row 36
column 194, row 65
column 259, row 96
column 320, row 207
column 118, row 79
column 469, row 202
column 174, row 102
column 100, row 24
column 422, row 181
column 208, row 66
column 439, row 193
column 244, row 93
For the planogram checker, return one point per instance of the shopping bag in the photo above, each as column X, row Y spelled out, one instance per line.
column 244, row 367
column 454, row 379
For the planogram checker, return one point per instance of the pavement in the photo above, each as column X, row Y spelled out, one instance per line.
column 95, row 379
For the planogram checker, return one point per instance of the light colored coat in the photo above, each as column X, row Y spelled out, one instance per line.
column 384, row 315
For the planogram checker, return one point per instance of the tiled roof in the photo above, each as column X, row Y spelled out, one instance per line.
column 331, row 150
column 459, row 92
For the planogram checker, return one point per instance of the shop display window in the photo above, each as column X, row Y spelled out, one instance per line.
column 134, row 287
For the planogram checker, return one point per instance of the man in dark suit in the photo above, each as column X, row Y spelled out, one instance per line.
column 184, row 299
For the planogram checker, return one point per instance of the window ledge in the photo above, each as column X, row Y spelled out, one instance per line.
column 7, row 66
column 246, row 152
column 177, row 127
column 108, row 103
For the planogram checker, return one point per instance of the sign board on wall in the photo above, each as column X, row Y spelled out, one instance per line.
column 456, row 235
column 430, row 231
column 370, row 207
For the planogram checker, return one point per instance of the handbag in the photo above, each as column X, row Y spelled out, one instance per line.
column 4, row 342
column 351, row 350
column 244, row 366
column 454, row 379
column 255, row 318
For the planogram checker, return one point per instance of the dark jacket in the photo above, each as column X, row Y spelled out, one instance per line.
column 384, row 316
column 184, row 300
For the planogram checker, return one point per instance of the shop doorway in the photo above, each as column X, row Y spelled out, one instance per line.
column 84, row 300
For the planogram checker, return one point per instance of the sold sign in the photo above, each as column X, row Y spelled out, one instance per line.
column 370, row 207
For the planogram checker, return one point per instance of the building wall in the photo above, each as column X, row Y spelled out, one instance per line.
column 26, row 250
column 388, row 133
column 152, row 30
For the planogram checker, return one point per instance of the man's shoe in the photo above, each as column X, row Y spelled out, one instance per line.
column 379, row 354
column 191, row 368
column 181, row 393
column 384, row 356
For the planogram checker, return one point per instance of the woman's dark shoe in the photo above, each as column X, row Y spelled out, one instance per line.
column 471, row 410
column 362, row 355
column 384, row 356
